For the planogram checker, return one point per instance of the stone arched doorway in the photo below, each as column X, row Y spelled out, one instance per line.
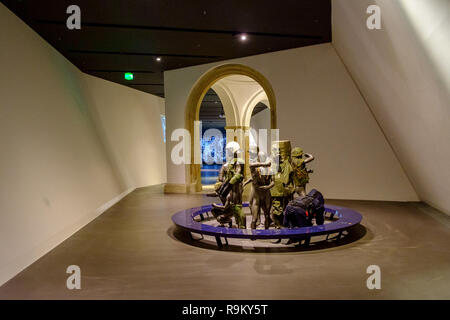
column 198, row 91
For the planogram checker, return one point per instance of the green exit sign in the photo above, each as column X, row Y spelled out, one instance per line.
column 129, row 76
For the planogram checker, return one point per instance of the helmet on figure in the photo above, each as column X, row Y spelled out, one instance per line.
column 253, row 154
column 297, row 152
column 231, row 148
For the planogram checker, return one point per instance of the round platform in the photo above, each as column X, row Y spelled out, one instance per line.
column 346, row 219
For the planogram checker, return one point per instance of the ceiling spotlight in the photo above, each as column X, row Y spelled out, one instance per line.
column 158, row 59
column 243, row 37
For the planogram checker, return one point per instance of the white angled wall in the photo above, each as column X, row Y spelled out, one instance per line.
column 320, row 109
column 403, row 71
column 70, row 145
column 129, row 124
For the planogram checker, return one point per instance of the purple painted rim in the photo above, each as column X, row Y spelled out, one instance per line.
column 347, row 218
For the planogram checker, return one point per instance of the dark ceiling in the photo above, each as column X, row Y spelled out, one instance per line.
column 117, row 36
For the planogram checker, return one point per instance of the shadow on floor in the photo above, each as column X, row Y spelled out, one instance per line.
column 269, row 246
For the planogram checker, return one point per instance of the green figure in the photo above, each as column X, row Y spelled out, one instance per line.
column 233, row 203
column 300, row 172
column 222, row 186
column 283, row 188
column 239, row 216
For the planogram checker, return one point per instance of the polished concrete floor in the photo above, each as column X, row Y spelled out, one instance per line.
column 132, row 251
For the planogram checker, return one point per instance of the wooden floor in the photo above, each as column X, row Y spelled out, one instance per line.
column 132, row 252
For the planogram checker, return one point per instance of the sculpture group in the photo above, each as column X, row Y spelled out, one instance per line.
column 275, row 181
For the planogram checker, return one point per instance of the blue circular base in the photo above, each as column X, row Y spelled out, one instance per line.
column 347, row 218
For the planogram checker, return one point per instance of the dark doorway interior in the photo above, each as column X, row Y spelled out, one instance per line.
column 213, row 117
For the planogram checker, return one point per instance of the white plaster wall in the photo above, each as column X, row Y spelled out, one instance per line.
column 261, row 120
column 56, row 172
column 403, row 71
column 320, row 109
column 129, row 122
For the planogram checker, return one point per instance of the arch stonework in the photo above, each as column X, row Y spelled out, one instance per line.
column 258, row 97
column 228, row 103
column 192, row 110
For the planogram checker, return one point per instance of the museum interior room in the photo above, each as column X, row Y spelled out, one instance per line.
column 225, row 149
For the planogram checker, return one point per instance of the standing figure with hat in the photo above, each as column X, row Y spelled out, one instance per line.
column 283, row 187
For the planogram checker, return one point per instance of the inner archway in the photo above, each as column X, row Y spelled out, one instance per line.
column 235, row 119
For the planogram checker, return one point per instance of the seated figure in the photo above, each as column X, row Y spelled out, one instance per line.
column 232, row 206
column 222, row 187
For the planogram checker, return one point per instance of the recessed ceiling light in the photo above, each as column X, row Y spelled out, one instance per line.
column 243, row 37
column 158, row 59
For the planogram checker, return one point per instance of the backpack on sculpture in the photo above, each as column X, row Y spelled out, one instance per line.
column 301, row 211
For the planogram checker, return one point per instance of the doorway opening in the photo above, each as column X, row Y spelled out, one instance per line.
column 239, row 89
column 259, row 121
column 212, row 138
